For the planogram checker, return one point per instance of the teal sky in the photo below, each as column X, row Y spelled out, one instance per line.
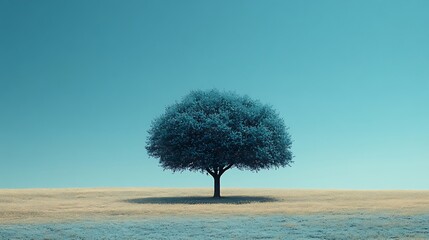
column 81, row 81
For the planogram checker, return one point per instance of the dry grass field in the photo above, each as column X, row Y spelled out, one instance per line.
column 56, row 205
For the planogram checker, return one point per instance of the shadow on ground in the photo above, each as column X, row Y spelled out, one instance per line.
column 202, row 200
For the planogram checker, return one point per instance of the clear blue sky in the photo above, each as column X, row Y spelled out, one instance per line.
column 81, row 81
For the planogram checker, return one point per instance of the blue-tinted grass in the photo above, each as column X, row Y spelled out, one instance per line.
column 316, row 226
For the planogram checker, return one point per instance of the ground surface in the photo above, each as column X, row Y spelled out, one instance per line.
column 161, row 213
column 40, row 205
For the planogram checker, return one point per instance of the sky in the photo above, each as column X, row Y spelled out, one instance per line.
column 81, row 82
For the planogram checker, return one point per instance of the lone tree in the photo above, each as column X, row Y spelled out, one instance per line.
column 213, row 131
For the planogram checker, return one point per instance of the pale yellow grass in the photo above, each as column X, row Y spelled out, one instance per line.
column 44, row 205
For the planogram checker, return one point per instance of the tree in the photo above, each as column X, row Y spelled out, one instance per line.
column 213, row 131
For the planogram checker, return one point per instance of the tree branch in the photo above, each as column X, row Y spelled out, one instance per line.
column 222, row 170
column 210, row 172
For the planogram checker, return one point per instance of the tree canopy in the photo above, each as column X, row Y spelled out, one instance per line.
column 213, row 131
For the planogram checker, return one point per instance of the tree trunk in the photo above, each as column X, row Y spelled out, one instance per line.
column 216, row 173
column 216, row 186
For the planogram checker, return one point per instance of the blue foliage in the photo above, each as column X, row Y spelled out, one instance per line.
column 213, row 131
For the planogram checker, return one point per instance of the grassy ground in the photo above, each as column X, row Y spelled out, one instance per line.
column 58, row 205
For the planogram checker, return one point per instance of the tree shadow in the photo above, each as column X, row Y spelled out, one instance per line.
column 202, row 200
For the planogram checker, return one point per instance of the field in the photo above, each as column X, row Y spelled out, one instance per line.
column 163, row 213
